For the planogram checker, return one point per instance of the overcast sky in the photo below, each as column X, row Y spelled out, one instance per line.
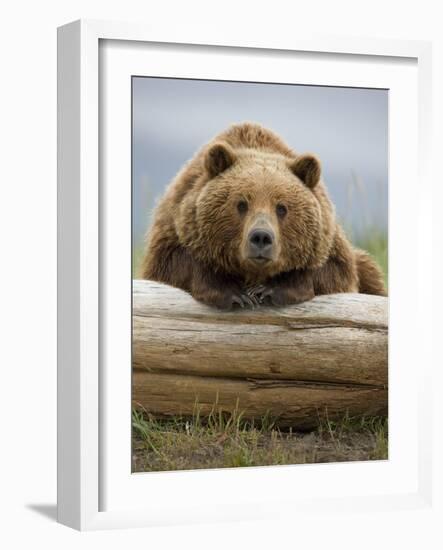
column 346, row 127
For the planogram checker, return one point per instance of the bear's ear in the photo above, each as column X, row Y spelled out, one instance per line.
column 219, row 158
column 308, row 169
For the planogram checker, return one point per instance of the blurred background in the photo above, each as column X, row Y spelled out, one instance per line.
column 346, row 127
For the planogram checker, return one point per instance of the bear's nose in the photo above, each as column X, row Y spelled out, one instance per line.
column 261, row 239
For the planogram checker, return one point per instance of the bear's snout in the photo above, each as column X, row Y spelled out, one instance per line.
column 261, row 242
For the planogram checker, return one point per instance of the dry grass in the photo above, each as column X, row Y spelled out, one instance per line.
column 231, row 442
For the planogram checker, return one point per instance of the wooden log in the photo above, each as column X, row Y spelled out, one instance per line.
column 327, row 356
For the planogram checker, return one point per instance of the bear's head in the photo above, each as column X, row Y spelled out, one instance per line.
column 257, row 213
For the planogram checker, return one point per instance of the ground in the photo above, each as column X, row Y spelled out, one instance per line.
column 180, row 444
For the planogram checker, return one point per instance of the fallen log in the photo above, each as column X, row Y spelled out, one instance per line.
column 297, row 364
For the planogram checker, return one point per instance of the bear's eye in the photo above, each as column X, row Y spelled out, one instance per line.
column 281, row 210
column 242, row 207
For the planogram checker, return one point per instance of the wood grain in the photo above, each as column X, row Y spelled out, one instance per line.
column 295, row 363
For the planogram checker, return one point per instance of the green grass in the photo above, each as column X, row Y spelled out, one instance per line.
column 222, row 441
column 375, row 241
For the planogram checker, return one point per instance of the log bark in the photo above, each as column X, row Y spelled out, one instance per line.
column 328, row 357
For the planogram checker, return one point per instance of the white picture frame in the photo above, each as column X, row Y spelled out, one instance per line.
column 84, row 416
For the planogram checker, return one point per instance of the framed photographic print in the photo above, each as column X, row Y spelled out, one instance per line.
column 233, row 215
column 247, row 229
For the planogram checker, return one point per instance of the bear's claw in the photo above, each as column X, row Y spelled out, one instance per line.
column 243, row 300
column 260, row 293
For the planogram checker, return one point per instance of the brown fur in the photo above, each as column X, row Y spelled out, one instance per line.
column 200, row 239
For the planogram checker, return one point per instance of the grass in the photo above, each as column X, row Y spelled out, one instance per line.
column 232, row 442
column 137, row 256
column 375, row 241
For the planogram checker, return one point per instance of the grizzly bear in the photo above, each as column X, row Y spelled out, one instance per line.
column 248, row 221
